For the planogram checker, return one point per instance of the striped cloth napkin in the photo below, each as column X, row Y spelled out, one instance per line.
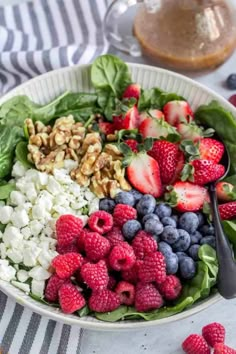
column 36, row 37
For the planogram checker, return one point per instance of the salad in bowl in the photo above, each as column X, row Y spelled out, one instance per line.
column 104, row 205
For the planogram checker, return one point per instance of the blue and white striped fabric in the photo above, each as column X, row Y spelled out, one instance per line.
column 36, row 37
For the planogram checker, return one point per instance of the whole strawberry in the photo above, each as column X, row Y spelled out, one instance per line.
column 195, row 344
column 203, row 172
column 66, row 264
column 147, row 297
column 95, row 275
column 214, row 333
column 211, row 149
column 227, row 210
column 68, row 228
column 220, row 348
column 70, row 298
column 104, row 301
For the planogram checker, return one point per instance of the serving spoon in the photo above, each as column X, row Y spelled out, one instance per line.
column 226, row 281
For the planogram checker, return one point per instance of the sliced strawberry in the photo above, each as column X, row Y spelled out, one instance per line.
column 174, row 111
column 225, row 191
column 106, row 128
column 153, row 113
column 204, row 171
column 131, row 119
column 179, row 167
column 156, row 128
column 227, row 210
column 211, row 149
column 132, row 91
column 190, row 131
column 133, row 144
column 186, row 196
column 166, row 154
column 144, row 174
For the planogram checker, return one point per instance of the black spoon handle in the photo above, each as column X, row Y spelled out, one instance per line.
column 227, row 266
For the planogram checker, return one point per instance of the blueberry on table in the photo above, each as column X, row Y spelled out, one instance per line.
column 207, row 229
column 196, row 236
column 164, row 248
column 189, row 222
column 231, row 82
column 150, row 216
column 183, row 242
column 187, row 268
column 170, row 235
column 125, row 198
column 163, row 210
column 153, row 227
column 181, row 255
column 130, row 229
column 208, row 240
column 136, row 194
column 169, row 221
column 107, row 204
column 193, row 252
column 172, row 263
column 146, row 205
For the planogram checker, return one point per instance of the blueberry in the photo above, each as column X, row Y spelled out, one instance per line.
column 107, row 204
column 163, row 210
column 189, row 222
column 150, row 216
column 172, row 263
column 183, row 242
column 169, row 221
column 231, row 82
column 164, row 248
column 209, row 240
column 146, row 205
column 153, row 227
column 170, row 235
column 201, row 218
column 195, row 237
column 136, row 194
column 130, row 228
column 187, row 268
column 193, row 252
column 207, row 229
column 125, row 198
column 181, row 255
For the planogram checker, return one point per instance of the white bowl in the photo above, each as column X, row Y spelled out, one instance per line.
column 43, row 89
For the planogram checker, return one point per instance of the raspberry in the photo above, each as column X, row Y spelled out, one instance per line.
column 131, row 275
column 123, row 213
column 95, row 275
column 53, row 285
column 66, row 264
column 214, row 333
column 153, row 268
column 111, row 283
column 81, row 239
column 171, row 288
column 143, row 244
column 70, row 298
column 67, row 229
column 122, row 257
column 220, row 348
column 195, row 344
column 147, row 297
column 104, row 301
column 126, row 292
column 133, row 144
column 115, row 236
column 96, row 246
column 100, row 221
column 72, row 247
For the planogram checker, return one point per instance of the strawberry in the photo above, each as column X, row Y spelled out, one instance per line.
column 214, row 333
column 211, row 149
column 190, row 131
column 225, row 191
column 174, row 111
column 227, row 210
column 220, row 348
column 186, row 196
column 166, row 154
column 179, row 167
column 153, row 113
column 144, row 174
column 202, row 171
column 156, row 128
column 118, row 122
column 133, row 144
column 195, row 344
column 132, row 91
column 131, row 119
column 106, row 128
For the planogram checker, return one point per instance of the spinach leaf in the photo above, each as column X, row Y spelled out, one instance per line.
column 39, row 299
column 84, row 311
column 230, row 230
column 9, row 137
column 155, row 98
column 107, row 101
column 6, row 189
column 21, row 154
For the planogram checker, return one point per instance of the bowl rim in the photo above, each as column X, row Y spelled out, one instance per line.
column 44, row 309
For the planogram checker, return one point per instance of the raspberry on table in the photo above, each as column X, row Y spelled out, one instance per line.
column 220, row 348
column 70, row 298
column 115, row 236
column 126, row 292
column 131, row 275
column 123, row 213
column 104, row 301
column 171, row 288
column 214, row 333
column 143, row 244
column 72, row 247
column 147, row 297
column 95, row 275
column 195, row 344
column 67, row 229
column 96, row 246
column 52, row 288
column 122, row 257
column 153, row 268
column 66, row 264
column 100, row 221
